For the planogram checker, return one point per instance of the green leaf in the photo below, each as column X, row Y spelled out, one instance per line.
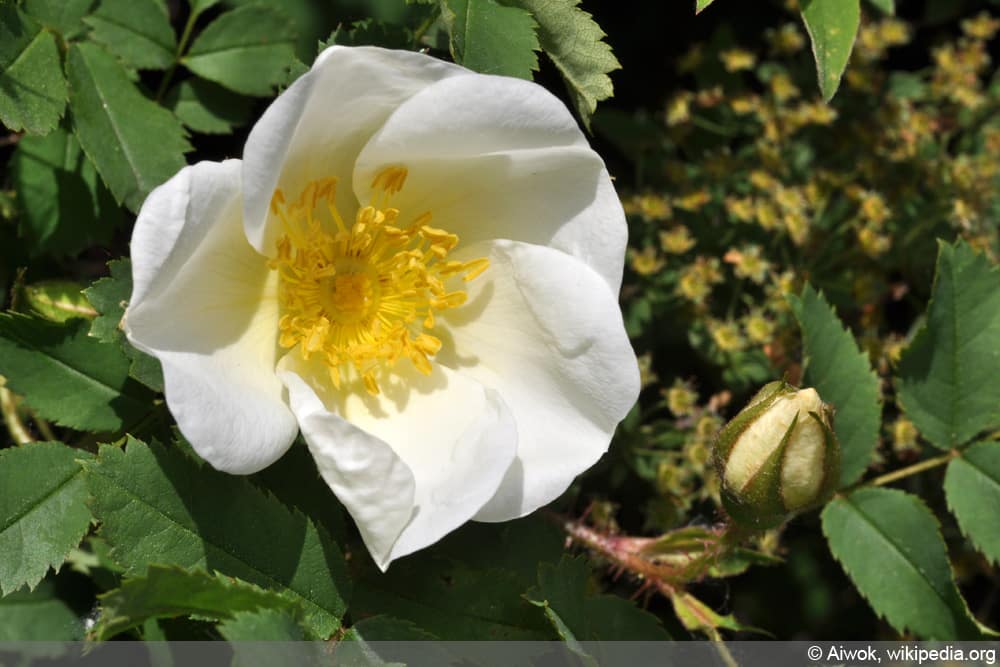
column 886, row 6
column 701, row 5
column 947, row 376
column 387, row 629
column 32, row 86
column 64, row 206
column 889, row 544
column 68, row 377
column 491, row 38
column 697, row 616
column 369, row 32
column 295, row 481
column 39, row 616
column 198, row 6
column 135, row 144
column 109, row 296
column 843, row 376
column 157, row 505
column 451, row 600
column 263, row 625
column 578, row 615
column 832, row 26
column 739, row 560
column 169, row 592
column 137, row 31
column 206, row 107
column 57, row 300
column 972, row 488
column 575, row 43
column 247, row 50
column 43, row 512
column 63, row 16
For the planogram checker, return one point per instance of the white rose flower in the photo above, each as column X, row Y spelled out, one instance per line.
column 415, row 265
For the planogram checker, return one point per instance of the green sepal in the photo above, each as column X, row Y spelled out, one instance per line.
column 831, row 461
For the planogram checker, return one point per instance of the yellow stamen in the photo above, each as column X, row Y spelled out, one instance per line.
column 361, row 295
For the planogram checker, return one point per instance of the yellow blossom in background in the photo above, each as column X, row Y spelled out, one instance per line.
column 782, row 87
column 707, row 427
column 709, row 97
column 781, row 285
column 874, row 39
column 677, row 240
column 647, row 376
column 904, row 436
column 740, row 208
column 892, row 348
column 693, row 201
column 681, row 398
column 697, row 279
column 652, row 207
column 873, row 243
column 645, row 262
column 758, row 327
column 698, row 452
column 749, row 263
column 744, row 104
column 811, row 113
column 786, row 40
column 762, row 180
column 679, row 109
column 737, row 60
column 983, row 26
column 991, row 140
column 726, row 335
column 790, row 199
column 962, row 214
column 873, row 208
column 767, row 214
column 797, row 225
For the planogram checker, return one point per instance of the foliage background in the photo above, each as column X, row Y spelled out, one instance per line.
column 741, row 188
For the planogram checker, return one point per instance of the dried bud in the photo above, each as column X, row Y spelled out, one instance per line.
column 778, row 456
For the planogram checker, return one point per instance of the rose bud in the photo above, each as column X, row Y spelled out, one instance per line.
column 778, row 456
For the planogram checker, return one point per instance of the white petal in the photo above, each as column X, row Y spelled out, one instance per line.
column 456, row 438
column 368, row 478
column 317, row 127
column 544, row 330
column 496, row 157
column 205, row 304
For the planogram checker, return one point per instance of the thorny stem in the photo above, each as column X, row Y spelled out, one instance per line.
column 652, row 574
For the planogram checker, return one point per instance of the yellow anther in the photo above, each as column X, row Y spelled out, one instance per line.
column 360, row 294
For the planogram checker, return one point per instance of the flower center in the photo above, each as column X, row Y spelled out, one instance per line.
column 363, row 296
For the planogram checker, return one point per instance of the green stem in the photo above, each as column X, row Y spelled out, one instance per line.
column 14, row 424
column 181, row 48
column 914, row 469
column 418, row 34
column 43, row 427
column 716, row 638
column 712, row 126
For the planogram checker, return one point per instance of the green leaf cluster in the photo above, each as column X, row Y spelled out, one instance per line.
column 888, row 541
column 502, row 36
